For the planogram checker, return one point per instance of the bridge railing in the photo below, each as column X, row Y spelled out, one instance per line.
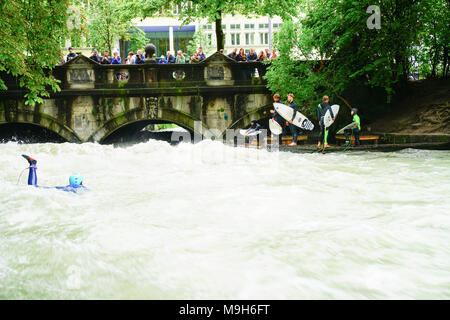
column 148, row 75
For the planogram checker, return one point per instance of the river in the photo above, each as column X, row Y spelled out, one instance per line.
column 209, row 221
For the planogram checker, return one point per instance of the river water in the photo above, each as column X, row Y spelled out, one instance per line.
column 208, row 221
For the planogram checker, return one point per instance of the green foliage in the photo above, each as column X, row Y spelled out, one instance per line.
column 200, row 39
column 108, row 21
column 30, row 32
column 137, row 39
column 431, row 49
column 77, row 23
column 331, row 49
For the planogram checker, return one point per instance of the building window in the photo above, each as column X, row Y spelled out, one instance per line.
column 276, row 25
column 209, row 40
column 235, row 26
column 207, row 27
column 224, row 26
column 264, row 26
column 249, row 26
column 235, row 39
column 264, row 38
column 249, row 38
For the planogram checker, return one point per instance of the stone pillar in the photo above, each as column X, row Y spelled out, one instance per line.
column 171, row 46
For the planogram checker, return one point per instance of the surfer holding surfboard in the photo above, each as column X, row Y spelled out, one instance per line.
column 276, row 123
column 293, row 128
column 353, row 128
column 322, row 109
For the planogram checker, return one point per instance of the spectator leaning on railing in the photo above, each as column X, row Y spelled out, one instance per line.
column 251, row 56
column 129, row 58
column 105, row 59
column 71, row 54
column 261, row 56
column 180, row 57
column 233, row 54
column 139, row 57
column 162, row 60
column 195, row 58
column 170, row 58
column 201, row 54
column 94, row 56
column 241, row 57
column 116, row 59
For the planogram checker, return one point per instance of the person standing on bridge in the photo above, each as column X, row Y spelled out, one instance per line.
column 170, row 58
column 71, row 54
column 233, row 54
column 105, row 59
column 94, row 56
column 201, row 54
column 180, row 57
column 251, row 56
column 116, row 59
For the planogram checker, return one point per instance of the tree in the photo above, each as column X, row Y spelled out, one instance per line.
column 339, row 51
column 432, row 46
column 200, row 39
column 109, row 21
column 30, row 33
column 213, row 10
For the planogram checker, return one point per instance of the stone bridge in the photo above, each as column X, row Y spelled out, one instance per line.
column 97, row 100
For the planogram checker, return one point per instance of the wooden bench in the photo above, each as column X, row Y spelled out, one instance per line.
column 340, row 139
column 288, row 139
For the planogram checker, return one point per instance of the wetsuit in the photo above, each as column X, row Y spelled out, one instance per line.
column 279, row 119
column 32, row 180
column 322, row 109
column 256, row 126
column 355, row 131
column 294, row 130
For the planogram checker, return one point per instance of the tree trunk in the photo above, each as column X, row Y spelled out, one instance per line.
column 446, row 63
column 219, row 32
column 122, row 52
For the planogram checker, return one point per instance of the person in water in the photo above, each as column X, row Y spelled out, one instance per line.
column 354, row 131
column 75, row 181
column 321, row 111
column 254, row 126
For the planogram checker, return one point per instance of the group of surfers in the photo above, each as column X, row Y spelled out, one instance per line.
column 322, row 109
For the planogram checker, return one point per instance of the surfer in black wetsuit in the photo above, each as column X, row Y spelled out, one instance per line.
column 322, row 108
column 290, row 123
column 255, row 126
column 276, row 117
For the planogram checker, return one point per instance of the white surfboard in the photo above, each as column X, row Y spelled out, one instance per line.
column 249, row 132
column 327, row 118
column 300, row 120
column 349, row 126
column 274, row 127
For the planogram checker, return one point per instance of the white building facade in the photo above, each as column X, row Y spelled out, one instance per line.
column 239, row 32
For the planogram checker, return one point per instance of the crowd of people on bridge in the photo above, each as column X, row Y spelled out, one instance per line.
column 198, row 56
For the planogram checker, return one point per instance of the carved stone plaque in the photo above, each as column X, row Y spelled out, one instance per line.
column 215, row 73
column 81, row 75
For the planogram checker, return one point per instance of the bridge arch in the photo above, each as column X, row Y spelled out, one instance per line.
column 255, row 114
column 163, row 115
column 42, row 120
